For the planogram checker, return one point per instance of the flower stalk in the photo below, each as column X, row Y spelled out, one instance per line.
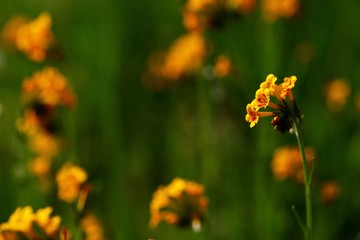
column 307, row 178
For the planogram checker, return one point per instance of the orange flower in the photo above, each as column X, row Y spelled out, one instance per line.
column 20, row 221
column 274, row 9
column 69, row 180
column 241, row 6
column 48, row 87
column 44, row 144
column 180, row 203
column 10, row 30
column 50, row 225
column 337, row 92
column 35, row 37
column 330, row 191
column 223, row 66
column 92, row 228
column 287, row 163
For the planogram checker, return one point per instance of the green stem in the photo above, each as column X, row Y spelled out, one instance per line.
column 307, row 179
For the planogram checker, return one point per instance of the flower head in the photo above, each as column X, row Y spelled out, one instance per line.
column 70, row 179
column 284, row 112
column 23, row 220
column 48, row 87
column 337, row 92
column 222, row 66
column 274, row 9
column 287, row 163
column 35, row 37
column 180, row 203
column 92, row 228
column 330, row 191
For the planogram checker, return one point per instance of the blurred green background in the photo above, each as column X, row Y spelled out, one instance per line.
column 131, row 139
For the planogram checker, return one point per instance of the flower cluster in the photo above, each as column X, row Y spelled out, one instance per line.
column 34, row 38
column 70, row 180
column 274, row 9
column 287, row 163
column 181, row 203
column 23, row 220
column 184, row 57
column 199, row 15
column 92, row 228
column 284, row 113
column 43, row 95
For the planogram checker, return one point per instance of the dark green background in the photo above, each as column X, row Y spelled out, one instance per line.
column 132, row 139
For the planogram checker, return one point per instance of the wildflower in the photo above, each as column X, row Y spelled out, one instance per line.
column 92, row 228
column 330, row 191
column 223, row 66
column 337, row 92
column 184, row 57
column 284, row 113
column 34, row 38
column 10, row 30
column 181, row 203
column 287, row 163
column 49, row 88
column 23, row 220
column 241, row 6
column 44, row 144
column 274, row 9
column 69, row 180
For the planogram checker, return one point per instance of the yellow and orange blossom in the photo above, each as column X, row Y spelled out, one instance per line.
column 34, row 38
column 287, row 163
column 180, row 203
column 92, row 228
column 23, row 219
column 274, row 9
column 48, row 87
column 69, row 179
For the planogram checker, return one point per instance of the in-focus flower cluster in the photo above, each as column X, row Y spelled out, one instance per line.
column 24, row 222
column 34, row 38
column 284, row 113
column 181, row 203
column 44, row 94
column 287, row 163
column 71, row 180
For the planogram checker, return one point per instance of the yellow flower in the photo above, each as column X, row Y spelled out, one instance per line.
column 337, row 92
column 284, row 112
column 287, row 163
column 20, row 221
column 199, row 5
column 48, row 87
column 35, row 37
column 223, row 66
column 69, row 180
column 92, row 228
column 29, row 124
column 50, row 225
column 40, row 166
column 180, row 203
column 274, row 9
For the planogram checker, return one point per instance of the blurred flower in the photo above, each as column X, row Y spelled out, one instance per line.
column 274, row 9
column 44, row 144
column 10, row 30
column 40, row 166
column 222, row 66
column 49, row 87
column 92, row 228
column 337, row 92
column 70, row 179
column 287, row 163
column 330, row 191
column 34, row 38
column 241, row 6
column 181, row 203
column 284, row 112
column 23, row 219
column 184, row 58
column 199, row 14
